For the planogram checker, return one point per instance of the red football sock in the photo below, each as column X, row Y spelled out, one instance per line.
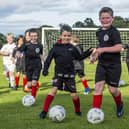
column 34, row 91
column 117, row 99
column 97, row 101
column 17, row 81
column 47, row 102
column 24, row 81
column 38, row 85
column 85, row 84
column 76, row 103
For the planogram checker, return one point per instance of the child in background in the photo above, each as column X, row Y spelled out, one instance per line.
column 9, row 67
column 79, row 65
column 19, row 61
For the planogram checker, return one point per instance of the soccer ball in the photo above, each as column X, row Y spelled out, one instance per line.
column 57, row 113
column 121, row 82
column 28, row 100
column 95, row 116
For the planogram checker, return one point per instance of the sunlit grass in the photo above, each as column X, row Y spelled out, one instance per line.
column 13, row 115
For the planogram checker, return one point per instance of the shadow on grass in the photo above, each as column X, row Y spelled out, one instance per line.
column 4, row 91
column 45, row 86
column 122, row 86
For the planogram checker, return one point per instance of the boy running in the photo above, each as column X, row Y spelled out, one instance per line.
column 9, row 67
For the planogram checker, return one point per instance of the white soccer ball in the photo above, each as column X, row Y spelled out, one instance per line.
column 28, row 100
column 121, row 82
column 57, row 113
column 95, row 116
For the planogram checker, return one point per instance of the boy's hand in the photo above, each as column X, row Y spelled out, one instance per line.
column 44, row 73
column 94, row 56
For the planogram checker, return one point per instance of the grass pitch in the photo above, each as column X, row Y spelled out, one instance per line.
column 13, row 115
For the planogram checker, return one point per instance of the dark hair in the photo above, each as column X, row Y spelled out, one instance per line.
column 17, row 39
column 106, row 10
column 27, row 31
column 33, row 30
column 65, row 27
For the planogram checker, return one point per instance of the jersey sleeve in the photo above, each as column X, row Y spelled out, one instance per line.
column 83, row 55
column 3, row 49
column 116, row 37
column 48, row 60
column 14, row 52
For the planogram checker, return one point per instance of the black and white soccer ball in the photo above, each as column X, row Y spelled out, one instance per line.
column 57, row 113
column 95, row 116
column 28, row 100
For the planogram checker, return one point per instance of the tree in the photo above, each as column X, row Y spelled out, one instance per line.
column 121, row 22
column 88, row 22
column 78, row 24
column 2, row 39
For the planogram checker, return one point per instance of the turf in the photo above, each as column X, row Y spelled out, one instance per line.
column 13, row 115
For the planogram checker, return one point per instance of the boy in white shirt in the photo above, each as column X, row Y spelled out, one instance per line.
column 9, row 66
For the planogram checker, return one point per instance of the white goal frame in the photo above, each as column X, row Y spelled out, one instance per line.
column 43, row 38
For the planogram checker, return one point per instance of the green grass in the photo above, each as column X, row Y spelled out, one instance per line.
column 13, row 115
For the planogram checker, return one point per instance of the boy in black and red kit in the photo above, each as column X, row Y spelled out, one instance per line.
column 33, row 51
column 109, row 62
column 64, row 78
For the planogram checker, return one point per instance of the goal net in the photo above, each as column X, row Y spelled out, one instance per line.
column 87, row 37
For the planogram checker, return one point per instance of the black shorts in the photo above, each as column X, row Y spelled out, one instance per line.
column 33, row 73
column 110, row 73
column 67, row 84
column 80, row 73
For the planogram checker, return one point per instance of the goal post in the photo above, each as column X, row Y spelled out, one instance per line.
column 87, row 37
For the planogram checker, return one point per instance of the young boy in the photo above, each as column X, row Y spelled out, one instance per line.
column 79, row 65
column 64, row 78
column 33, row 62
column 109, row 64
column 9, row 67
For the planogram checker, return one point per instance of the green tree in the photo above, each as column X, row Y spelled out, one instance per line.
column 121, row 22
column 78, row 24
column 2, row 39
column 88, row 22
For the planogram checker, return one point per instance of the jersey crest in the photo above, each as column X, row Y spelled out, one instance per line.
column 37, row 50
column 106, row 37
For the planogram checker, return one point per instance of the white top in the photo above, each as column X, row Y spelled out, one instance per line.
column 9, row 49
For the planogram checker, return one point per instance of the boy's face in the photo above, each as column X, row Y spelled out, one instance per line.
column 106, row 20
column 65, row 37
column 33, row 37
column 9, row 39
column 75, row 41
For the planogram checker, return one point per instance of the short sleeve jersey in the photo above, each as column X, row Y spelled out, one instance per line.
column 109, row 38
column 32, row 52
